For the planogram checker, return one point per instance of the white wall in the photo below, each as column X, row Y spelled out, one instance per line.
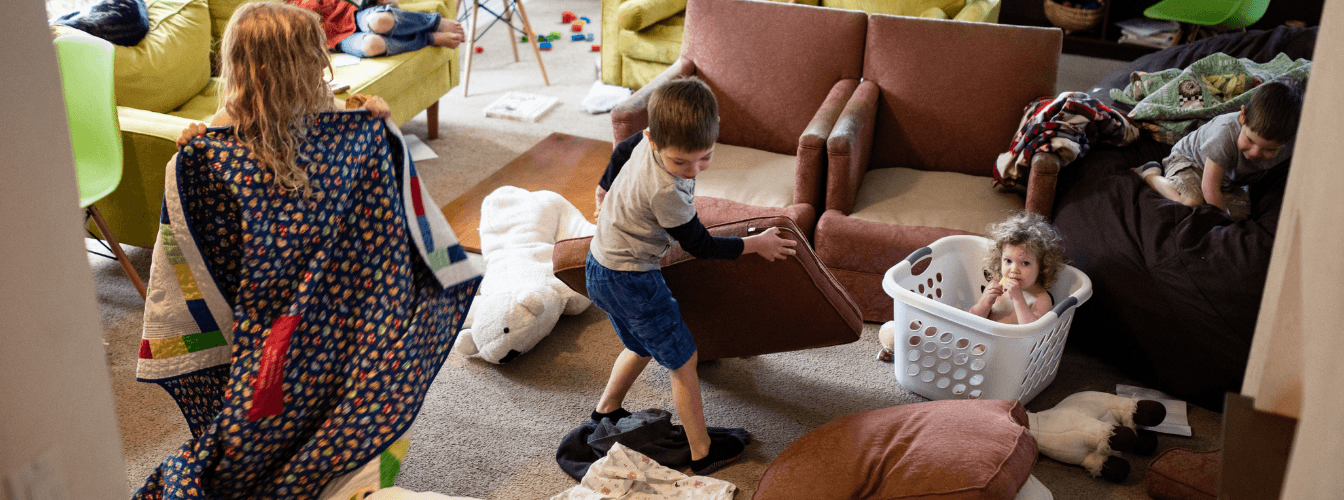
column 55, row 395
column 1297, row 359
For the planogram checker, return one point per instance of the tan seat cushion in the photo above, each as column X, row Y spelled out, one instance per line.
column 750, row 176
column 908, row 197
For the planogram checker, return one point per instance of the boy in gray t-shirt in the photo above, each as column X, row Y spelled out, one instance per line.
column 650, row 206
column 1230, row 151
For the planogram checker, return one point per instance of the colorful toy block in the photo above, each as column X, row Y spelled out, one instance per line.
column 577, row 26
column 597, row 48
column 589, row 37
column 567, row 17
column 480, row 49
column 524, row 40
column 555, row 35
column 585, row 20
column 578, row 38
column 544, row 46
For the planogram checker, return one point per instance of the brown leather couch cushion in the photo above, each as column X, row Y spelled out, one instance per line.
column 952, row 449
column 767, row 95
column 953, row 93
column 747, row 306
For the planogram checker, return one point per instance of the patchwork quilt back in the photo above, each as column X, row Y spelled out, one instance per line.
column 299, row 334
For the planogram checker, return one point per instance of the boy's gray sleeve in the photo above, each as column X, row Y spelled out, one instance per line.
column 1222, row 149
column 673, row 207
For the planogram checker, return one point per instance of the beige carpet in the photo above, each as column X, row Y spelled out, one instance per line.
column 490, row 431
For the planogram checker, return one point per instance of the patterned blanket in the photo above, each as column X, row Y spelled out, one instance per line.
column 1063, row 125
column 299, row 335
column 1172, row 102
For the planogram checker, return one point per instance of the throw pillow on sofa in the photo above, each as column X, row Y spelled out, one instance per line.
column 172, row 63
column 952, row 449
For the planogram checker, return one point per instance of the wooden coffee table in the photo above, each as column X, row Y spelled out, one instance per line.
column 562, row 163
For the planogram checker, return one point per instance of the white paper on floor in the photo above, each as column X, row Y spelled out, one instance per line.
column 1177, row 422
column 339, row 60
column 602, row 98
column 419, row 150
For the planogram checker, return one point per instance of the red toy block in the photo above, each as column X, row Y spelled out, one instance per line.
column 577, row 26
column 597, row 48
column 567, row 17
column 480, row 49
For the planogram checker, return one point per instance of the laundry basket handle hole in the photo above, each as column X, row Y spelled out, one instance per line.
column 918, row 262
column 1064, row 306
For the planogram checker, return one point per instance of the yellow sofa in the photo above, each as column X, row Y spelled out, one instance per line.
column 164, row 83
column 641, row 38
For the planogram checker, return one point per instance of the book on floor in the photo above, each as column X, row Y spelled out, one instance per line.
column 521, row 106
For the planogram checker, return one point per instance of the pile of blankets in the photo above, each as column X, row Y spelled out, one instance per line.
column 299, row 334
column 1173, row 102
column 1065, row 126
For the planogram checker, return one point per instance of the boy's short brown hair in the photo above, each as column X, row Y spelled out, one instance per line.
column 684, row 115
column 1274, row 110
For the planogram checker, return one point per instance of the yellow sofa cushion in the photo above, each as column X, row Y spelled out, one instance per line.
column 658, row 43
column 749, row 176
column 170, row 65
column 635, row 15
column 974, row 11
column 913, row 8
column 907, row 197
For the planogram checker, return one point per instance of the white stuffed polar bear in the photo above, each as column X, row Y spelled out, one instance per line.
column 520, row 298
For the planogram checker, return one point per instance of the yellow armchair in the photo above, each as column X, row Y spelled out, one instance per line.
column 641, row 38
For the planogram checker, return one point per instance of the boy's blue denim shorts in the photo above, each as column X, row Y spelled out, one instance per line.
column 643, row 311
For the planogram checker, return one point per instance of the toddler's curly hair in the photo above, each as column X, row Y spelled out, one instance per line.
column 1037, row 235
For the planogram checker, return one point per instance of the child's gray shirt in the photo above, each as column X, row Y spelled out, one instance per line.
column 643, row 201
column 1217, row 141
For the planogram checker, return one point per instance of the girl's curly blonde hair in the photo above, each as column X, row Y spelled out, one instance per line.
column 271, row 63
column 1032, row 231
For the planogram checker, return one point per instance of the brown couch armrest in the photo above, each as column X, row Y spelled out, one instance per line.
column 1041, row 183
column 849, row 147
column 632, row 115
column 747, row 306
column 809, row 184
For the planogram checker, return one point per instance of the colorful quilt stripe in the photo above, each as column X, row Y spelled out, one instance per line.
column 177, row 346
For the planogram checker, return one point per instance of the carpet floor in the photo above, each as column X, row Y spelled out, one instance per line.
column 490, row 431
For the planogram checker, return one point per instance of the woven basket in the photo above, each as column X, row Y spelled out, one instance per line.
column 1071, row 18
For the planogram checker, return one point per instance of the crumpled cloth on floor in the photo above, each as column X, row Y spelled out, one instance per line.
column 626, row 474
column 649, row 432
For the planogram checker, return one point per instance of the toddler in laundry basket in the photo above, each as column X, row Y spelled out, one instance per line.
column 1028, row 252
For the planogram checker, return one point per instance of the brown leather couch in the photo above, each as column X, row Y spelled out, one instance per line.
column 910, row 159
column 776, row 106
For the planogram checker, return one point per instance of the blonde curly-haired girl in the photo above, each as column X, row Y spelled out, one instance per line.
column 272, row 60
column 1027, row 254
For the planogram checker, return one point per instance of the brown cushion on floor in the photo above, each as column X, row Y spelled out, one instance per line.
column 1179, row 474
column 747, row 306
column 952, row 449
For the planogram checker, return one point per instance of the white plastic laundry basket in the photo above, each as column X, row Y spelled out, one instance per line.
column 944, row 352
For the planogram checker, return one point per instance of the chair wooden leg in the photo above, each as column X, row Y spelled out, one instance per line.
column 432, row 117
column 471, row 47
column 532, row 37
column 513, row 42
column 116, row 249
